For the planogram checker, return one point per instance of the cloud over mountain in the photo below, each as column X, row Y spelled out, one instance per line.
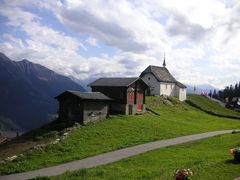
column 88, row 39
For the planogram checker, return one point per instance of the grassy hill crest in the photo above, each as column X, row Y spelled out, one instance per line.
column 209, row 105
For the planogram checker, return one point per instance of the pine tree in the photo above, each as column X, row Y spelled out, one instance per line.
column 210, row 93
column 215, row 94
column 238, row 94
column 231, row 91
column 226, row 92
column 236, row 90
column 220, row 95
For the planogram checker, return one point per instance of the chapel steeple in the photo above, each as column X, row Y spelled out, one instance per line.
column 164, row 62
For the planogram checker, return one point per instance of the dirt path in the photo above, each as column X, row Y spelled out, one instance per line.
column 110, row 156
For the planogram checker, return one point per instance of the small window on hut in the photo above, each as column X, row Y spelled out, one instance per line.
column 149, row 78
column 166, row 86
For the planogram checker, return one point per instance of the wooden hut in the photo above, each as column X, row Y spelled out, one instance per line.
column 128, row 94
column 82, row 107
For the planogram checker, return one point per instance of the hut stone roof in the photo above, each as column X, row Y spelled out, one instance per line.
column 85, row 95
column 116, row 82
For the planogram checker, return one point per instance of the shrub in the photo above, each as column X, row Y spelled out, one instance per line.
column 236, row 153
column 183, row 174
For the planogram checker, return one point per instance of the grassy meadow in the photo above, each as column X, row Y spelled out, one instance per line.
column 176, row 119
column 209, row 158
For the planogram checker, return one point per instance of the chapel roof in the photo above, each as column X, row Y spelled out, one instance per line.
column 162, row 74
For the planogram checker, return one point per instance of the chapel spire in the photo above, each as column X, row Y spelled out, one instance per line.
column 164, row 62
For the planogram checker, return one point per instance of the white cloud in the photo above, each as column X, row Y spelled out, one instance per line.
column 119, row 25
column 92, row 41
column 200, row 38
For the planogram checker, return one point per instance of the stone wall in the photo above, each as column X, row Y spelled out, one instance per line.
column 95, row 111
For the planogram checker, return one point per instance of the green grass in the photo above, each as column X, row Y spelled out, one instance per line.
column 209, row 158
column 123, row 131
column 209, row 105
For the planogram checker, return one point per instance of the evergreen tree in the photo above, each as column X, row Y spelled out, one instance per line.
column 220, row 95
column 231, row 91
column 215, row 94
column 226, row 92
column 210, row 93
column 236, row 90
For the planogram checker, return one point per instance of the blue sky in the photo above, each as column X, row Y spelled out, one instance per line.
column 91, row 39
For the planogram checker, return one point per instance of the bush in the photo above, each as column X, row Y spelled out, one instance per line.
column 236, row 153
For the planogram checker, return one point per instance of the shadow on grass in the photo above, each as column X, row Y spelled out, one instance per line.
column 232, row 161
column 40, row 178
column 43, row 133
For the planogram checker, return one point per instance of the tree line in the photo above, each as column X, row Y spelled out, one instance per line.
column 229, row 92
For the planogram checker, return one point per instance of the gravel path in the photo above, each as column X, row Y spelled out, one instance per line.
column 109, row 157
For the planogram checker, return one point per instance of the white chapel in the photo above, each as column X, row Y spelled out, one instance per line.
column 161, row 82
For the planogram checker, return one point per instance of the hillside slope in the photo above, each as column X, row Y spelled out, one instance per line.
column 209, row 105
column 27, row 91
column 176, row 119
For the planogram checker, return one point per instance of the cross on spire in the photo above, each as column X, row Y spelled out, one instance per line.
column 164, row 62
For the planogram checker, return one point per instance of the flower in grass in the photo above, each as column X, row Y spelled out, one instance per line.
column 236, row 153
column 235, row 150
column 183, row 174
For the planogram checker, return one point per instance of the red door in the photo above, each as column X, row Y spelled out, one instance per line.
column 139, row 101
column 140, row 96
column 139, row 107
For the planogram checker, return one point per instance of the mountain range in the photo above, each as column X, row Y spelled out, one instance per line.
column 199, row 88
column 27, row 92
